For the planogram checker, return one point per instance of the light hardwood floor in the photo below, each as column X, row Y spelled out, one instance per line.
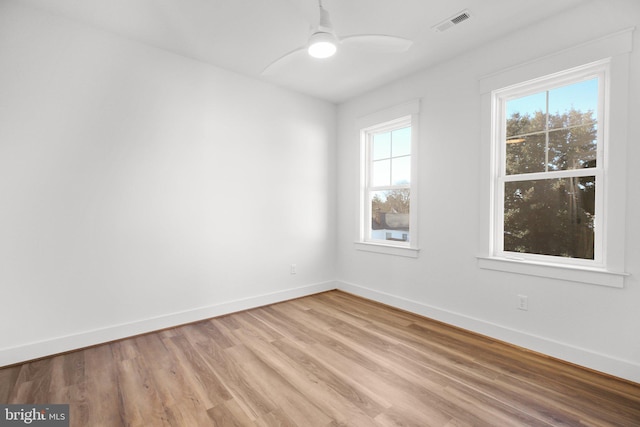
column 324, row 360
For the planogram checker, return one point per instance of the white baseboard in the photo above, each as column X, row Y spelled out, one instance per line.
column 583, row 357
column 35, row 350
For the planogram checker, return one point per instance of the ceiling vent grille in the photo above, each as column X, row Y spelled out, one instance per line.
column 450, row 22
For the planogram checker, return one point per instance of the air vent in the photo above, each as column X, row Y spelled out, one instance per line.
column 450, row 22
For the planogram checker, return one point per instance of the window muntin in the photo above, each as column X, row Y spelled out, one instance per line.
column 387, row 211
column 547, row 131
column 548, row 195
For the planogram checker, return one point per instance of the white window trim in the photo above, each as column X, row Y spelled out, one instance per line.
column 610, row 270
column 411, row 111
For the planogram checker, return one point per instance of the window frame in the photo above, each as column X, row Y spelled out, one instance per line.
column 500, row 97
column 370, row 188
column 396, row 117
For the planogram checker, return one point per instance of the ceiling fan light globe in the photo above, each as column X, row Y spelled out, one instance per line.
column 322, row 50
column 322, row 45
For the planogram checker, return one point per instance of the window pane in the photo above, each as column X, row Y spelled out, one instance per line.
column 381, row 173
column 401, row 142
column 572, row 105
column 525, row 154
column 390, row 215
column 401, row 170
column 381, row 146
column 573, row 148
column 550, row 217
column 526, row 114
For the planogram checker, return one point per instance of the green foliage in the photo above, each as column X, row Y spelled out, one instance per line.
column 550, row 216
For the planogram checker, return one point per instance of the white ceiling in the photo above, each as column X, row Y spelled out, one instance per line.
column 245, row 36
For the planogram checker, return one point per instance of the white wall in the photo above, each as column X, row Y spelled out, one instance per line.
column 140, row 189
column 591, row 325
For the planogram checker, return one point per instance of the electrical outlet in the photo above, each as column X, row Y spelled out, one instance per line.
column 293, row 269
column 523, row 302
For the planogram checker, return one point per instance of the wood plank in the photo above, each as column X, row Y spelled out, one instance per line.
column 267, row 381
column 253, row 402
column 337, row 398
column 141, row 405
column 8, row 381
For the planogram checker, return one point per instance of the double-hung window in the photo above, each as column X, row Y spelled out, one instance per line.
column 388, row 192
column 549, row 146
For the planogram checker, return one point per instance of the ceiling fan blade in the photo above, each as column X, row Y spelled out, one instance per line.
column 283, row 59
column 378, row 42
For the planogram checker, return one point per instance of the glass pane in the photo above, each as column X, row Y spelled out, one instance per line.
column 381, row 173
column 573, row 105
column 401, row 145
column 381, row 146
column 573, row 148
column 390, row 215
column 525, row 154
column 526, row 114
column 401, row 170
column 550, row 217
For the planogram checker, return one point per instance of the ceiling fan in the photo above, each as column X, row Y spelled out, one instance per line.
column 324, row 42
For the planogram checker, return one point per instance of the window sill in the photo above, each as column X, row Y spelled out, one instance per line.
column 379, row 248
column 593, row 276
